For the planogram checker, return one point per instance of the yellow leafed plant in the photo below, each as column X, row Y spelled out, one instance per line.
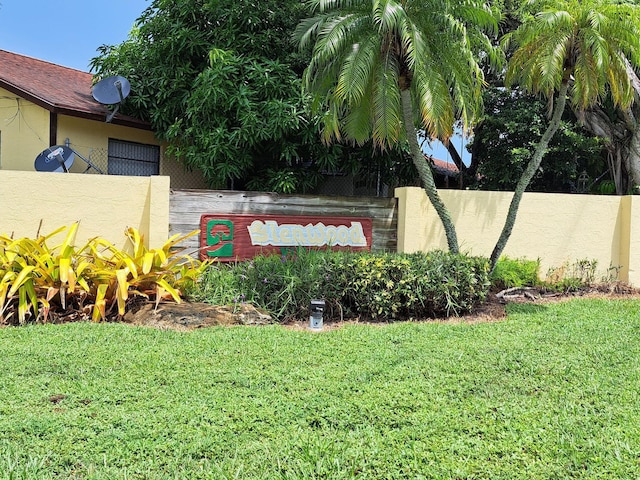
column 41, row 284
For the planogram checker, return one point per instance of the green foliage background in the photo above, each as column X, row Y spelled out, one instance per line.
column 506, row 137
column 221, row 82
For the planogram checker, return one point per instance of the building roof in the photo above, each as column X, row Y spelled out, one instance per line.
column 59, row 89
column 448, row 169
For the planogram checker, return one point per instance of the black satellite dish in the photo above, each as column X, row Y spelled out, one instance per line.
column 112, row 91
column 58, row 158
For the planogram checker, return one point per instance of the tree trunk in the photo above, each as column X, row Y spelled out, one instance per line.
column 633, row 162
column 529, row 172
column 424, row 170
column 621, row 132
column 457, row 160
column 618, row 136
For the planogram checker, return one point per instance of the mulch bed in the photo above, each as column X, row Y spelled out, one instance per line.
column 189, row 316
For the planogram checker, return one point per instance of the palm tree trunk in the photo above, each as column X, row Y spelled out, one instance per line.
column 424, row 170
column 529, row 172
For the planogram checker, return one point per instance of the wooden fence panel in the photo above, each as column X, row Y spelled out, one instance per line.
column 186, row 207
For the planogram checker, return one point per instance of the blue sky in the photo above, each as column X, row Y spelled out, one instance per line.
column 439, row 151
column 65, row 32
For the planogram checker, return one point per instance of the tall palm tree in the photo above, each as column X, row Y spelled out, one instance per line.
column 578, row 48
column 378, row 66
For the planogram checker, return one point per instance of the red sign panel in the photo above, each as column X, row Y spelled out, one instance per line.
column 239, row 237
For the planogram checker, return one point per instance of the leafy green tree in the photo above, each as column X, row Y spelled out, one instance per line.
column 618, row 129
column 505, row 138
column 221, row 83
column 378, row 66
column 580, row 49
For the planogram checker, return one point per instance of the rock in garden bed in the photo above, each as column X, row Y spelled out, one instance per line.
column 189, row 316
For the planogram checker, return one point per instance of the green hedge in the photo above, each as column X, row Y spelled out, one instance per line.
column 515, row 272
column 363, row 285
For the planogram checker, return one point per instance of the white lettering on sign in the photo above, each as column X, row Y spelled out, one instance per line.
column 318, row 235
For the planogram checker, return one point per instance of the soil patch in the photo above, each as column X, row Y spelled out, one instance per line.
column 187, row 316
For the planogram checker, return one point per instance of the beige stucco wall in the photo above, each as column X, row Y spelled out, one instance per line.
column 556, row 228
column 91, row 140
column 105, row 205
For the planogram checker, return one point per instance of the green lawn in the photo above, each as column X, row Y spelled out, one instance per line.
column 551, row 392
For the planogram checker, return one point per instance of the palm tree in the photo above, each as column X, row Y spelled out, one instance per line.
column 583, row 49
column 377, row 66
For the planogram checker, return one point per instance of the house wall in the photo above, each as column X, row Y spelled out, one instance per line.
column 105, row 205
column 556, row 228
column 24, row 134
column 90, row 139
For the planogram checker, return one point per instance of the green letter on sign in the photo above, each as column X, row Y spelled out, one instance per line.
column 220, row 231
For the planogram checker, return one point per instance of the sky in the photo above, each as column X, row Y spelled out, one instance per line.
column 66, row 32
column 439, row 151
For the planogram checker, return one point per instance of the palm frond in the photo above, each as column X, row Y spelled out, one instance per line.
column 387, row 15
column 308, row 28
column 386, row 108
column 365, row 51
column 356, row 70
column 357, row 122
column 590, row 41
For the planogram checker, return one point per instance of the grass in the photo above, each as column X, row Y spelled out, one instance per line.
column 552, row 392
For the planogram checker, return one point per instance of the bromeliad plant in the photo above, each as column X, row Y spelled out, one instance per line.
column 36, row 280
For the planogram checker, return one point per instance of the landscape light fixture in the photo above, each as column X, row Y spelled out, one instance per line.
column 316, row 307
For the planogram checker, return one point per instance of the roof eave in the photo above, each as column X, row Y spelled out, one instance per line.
column 41, row 102
column 124, row 121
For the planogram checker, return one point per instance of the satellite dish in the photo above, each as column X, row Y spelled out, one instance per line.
column 111, row 91
column 58, row 158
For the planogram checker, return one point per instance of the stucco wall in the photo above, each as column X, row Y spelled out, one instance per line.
column 91, row 140
column 556, row 228
column 104, row 205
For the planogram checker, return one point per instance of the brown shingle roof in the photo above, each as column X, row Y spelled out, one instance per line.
column 446, row 168
column 56, row 88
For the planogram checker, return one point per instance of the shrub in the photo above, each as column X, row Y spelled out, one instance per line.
column 572, row 277
column 515, row 272
column 37, row 280
column 447, row 284
column 367, row 285
column 283, row 284
column 218, row 285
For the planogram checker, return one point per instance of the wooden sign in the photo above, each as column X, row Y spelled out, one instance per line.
column 228, row 237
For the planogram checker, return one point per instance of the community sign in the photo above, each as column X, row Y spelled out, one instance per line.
column 240, row 237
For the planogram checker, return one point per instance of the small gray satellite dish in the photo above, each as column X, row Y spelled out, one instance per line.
column 111, row 91
column 58, row 158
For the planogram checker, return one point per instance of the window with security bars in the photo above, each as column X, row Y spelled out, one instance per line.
column 135, row 159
